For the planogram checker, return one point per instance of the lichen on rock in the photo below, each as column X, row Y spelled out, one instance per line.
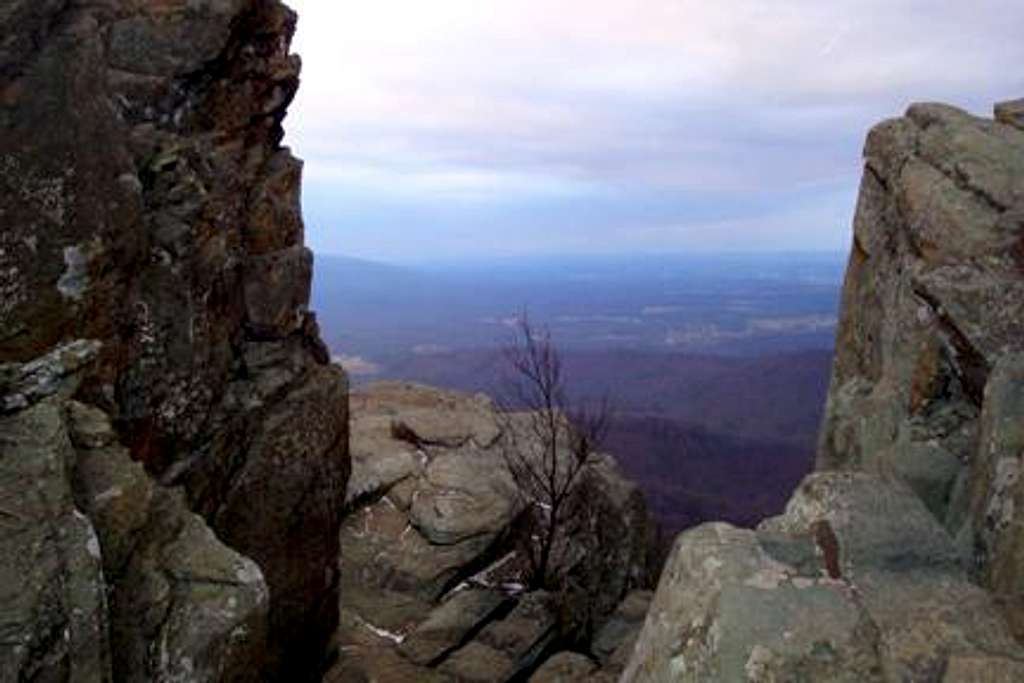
column 147, row 204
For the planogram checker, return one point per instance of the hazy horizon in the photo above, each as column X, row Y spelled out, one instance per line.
column 535, row 258
column 478, row 129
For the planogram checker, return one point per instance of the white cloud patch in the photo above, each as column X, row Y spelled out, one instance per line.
column 478, row 99
column 357, row 365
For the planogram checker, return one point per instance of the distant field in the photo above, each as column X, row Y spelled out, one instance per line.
column 718, row 367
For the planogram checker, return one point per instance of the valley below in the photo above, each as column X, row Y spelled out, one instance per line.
column 716, row 366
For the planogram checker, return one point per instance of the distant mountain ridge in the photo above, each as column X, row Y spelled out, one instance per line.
column 735, row 304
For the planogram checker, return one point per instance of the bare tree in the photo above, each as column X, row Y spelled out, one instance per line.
column 547, row 441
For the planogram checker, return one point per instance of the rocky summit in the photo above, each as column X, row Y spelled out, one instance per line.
column 898, row 560
column 184, row 495
column 173, row 441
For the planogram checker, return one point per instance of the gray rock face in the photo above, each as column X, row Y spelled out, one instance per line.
column 107, row 575
column 769, row 605
column 182, row 605
column 52, row 593
column 996, row 493
column 147, row 204
column 924, row 386
column 870, row 573
column 432, row 584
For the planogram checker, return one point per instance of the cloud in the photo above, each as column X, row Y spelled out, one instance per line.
column 357, row 365
column 482, row 101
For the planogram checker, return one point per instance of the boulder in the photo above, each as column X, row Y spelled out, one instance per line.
column 435, row 416
column 464, row 494
column 383, row 551
column 856, row 581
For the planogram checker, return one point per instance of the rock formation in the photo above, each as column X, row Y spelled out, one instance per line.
column 878, row 569
column 432, row 582
column 928, row 383
column 156, row 356
column 174, row 443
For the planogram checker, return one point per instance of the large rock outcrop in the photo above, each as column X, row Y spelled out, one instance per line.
column 433, row 578
column 856, row 581
column 878, row 569
column 147, row 207
column 928, row 382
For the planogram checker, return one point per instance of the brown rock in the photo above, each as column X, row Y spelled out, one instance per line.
column 565, row 667
column 1011, row 113
column 147, row 204
column 478, row 663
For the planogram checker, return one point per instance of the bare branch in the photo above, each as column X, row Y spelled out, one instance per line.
column 547, row 440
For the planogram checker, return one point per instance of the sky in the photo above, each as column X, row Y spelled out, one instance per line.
column 478, row 129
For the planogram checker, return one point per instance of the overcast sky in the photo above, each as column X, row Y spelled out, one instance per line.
column 478, row 128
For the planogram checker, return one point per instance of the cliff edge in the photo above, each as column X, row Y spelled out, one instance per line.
column 173, row 439
column 899, row 559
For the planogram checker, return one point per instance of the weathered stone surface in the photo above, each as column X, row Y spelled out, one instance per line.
column 478, row 663
column 564, row 667
column 932, row 285
column 147, row 204
column 24, row 384
column 1011, row 113
column 182, row 605
column 431, row 568
column 464, row 494
column 997, row 493
column 725, row 610
column 856, row 581
column 450, row 624
column 923, row 384
column 52, row 593
column 383, row 550
column 437, row 417
column 872, row 521
column 214, row 626
column 276, row 291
